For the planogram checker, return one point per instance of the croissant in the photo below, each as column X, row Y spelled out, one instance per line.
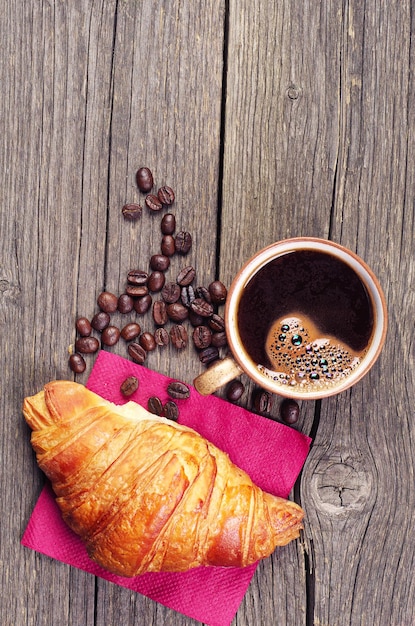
column 147, row 494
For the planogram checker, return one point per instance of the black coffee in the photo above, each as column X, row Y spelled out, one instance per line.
column 306, row 320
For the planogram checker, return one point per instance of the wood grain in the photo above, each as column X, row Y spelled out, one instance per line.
column 269, row 120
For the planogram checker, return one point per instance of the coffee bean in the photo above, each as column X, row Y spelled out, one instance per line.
column 183, row 242
column 155, row 406
column 187, row 295
column 168, row 246
column 178, row 390
column 168, row 224
column 178, row 336
column 171, row 410
column 110, row 336
column 159, row 262
column 100, row 321
column 195, row 319
column 125, row 303
column 177, row 312
column 219, row 339
column 234, row 390
column 170, row 293
column 131, row 211
column 137, row 352
column 86, row 345
column 144, row 179
column 166, row 195
column 136, row 291
column 161, row 337
column 142, row 305
column 77, row 363
column 201, row 307
column 130, row 331
column 159, row 313
column 137, row 277
column 289, row 411
column 262, row 401
column 129, row 386
column 156, row 281
column 208, row 355
column 147, row 341
column 186, row 276
column 202, row 337
column 218, row 292
column 216, row 323
column 107, row 302
column 203, row 292
column 153, row 203
column 83, row 326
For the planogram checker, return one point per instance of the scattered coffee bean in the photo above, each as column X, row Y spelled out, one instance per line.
column 202, row 337
column 168, row 224
column 171, row 410
column 208, row 355
column 83, row 326
column 178, row 390
column 168, row 246
column 86, row 345
column 125, row 303
column 217, row 323
column 186, row 276
column 166, row 195
column 183, row 242
column 142, row 305
column 144, row 179
column 218, row 292
column 234, row 390
column 201, row 307
column 155, row 406
column 130, row 331
column 153, row 203
column 107, row 302
column 289, row 411
column 110, row 336
column 100, row 321
column 262, row 401
column 170, row 293
column 131, row 211
column 178, row 336
column 129, row 386
column 159, row 262
column 137, row 277
column 187, row 296
column 219, row 339
column 161, row 337
column 160, row 316
column 156, row 281
column 77, row 363
column 147, row 341
column 195, row 319
column 136, row 291
column 177, row 312
column 203, row 292
column 137, row 352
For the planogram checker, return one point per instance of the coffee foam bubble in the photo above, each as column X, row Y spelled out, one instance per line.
column 305, row 359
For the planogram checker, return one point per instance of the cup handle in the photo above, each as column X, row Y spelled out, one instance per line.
column 217, row 375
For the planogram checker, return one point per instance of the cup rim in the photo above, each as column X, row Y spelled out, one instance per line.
column 264, row 256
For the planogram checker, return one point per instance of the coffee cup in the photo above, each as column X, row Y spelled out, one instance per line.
column 305, row 318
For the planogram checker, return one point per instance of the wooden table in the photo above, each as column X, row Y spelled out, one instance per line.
column 269, row 120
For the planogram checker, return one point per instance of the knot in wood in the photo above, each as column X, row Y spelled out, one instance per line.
column 293, row 92
column 340, row 486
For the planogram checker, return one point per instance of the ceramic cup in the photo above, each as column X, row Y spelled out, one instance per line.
column 305, row 318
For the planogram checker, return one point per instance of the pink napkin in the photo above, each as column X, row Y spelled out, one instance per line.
column 272, row 454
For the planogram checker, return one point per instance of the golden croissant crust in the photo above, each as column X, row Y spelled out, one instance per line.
column 148, row 494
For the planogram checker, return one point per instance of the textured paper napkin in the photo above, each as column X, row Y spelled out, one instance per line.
column 272, row 454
